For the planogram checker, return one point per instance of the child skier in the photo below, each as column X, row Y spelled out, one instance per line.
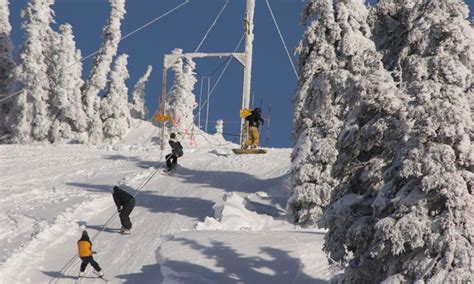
column 176, row 151
column 84, row 246
column 125, row 204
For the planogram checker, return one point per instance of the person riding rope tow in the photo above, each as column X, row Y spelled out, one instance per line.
column 176, row 151
column 125, row 204
column 84, row 246
column 254, row 122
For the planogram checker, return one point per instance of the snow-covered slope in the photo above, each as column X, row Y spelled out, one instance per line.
column 219, row 218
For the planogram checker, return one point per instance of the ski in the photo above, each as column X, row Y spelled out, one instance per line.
column 102, row 277
column 167, row 172
column 80, row 278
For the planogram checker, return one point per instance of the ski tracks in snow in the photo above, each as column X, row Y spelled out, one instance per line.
column 166, row 205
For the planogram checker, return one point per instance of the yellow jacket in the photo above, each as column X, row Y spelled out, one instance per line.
column 85, row 248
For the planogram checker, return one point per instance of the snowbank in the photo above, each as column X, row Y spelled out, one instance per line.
column 231, row 214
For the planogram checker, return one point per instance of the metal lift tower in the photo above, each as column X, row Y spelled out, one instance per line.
column 244, row 58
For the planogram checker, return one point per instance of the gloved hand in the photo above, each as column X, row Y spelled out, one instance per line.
column 94, row 252
column 263, row 122
column 119, row 209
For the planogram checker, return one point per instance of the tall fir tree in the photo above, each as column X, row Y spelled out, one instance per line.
column 137, row 105
column 317, row 113
column 369, row 143
column 114, row 108
column 424, row 214
column 7, row 65
column 180, row 100
column 66, row 105
column 30, row 110
column 97, row 80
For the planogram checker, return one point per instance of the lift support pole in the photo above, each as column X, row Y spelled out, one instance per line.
column 244, row 58
column 249, row 36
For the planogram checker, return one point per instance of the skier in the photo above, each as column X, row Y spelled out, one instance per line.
column 125, row 204
column 84, row 246
column 254, row 122
column 176, row 151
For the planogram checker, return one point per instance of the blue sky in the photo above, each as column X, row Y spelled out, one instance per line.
column 273, row 79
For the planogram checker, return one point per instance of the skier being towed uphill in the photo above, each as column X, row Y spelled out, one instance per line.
column 125, row 204
column 84, row 246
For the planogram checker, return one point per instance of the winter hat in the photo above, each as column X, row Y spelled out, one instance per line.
column 173, row 135
column 85, row 234
column 116, row 188
column 258, row 110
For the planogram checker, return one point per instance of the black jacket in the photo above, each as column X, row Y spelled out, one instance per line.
column 121, row 197
column 254, row 119
column 176, row 148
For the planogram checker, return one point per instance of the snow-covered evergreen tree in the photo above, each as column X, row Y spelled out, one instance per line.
column 6, row 62
column 6, row 48
column 30, row 116
column 114, row 109
column 137, row 105
column 180, row 100
column 406, row 212
column 426, row 229
column 367, row 145
column 101, row 67
column 317, row 113
column 66, row 104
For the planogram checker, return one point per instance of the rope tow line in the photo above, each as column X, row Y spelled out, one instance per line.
column 219, row 14
column 222, row 73
column 212, row 26
column 100, row 49
column 142, row 27
column 282, row 39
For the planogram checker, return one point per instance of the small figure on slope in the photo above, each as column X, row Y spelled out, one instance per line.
column 125, row 204
column 176, row 151
column 84, row 246
column 254, row 122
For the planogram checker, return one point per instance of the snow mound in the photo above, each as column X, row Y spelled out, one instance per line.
column 231, row 214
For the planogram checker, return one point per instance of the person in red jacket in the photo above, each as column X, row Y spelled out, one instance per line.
column 84, row 247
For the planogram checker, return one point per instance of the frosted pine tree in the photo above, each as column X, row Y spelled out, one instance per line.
column 97, row 80
column 414, row 222
column 317, row 113
column 30, row 117
column 6, row 63
column 66, row 104
column 114, row 109
column 367, row 145
column 181, row 101
column 426, row 229
column 137, row 105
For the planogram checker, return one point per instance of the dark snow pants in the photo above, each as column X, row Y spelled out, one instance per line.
column 125, row 214
column 88, row 259
column 171, row 161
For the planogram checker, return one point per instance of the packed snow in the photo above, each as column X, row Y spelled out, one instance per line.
column 219, row 218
